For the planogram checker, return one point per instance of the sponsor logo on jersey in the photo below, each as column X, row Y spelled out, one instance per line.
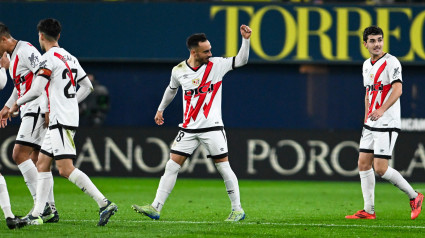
column 33, row 60
column 201, row 90
column 396, row 73
column 43, row 63
column 375, row 87
column 196, row 82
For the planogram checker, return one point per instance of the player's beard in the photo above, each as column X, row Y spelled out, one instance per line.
column 204, row 60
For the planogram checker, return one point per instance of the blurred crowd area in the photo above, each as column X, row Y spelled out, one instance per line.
column 368, row 2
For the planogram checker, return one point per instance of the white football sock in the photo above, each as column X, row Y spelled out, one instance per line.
column 51, row 198
column 367, row 179
column 4, row 199
column 29, row 171
column 80, row 179
column 395, row 178
column 231, row 182
column 166, row 184
column 44, row 185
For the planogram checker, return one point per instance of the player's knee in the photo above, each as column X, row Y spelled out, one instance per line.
column 64, row 172
column 363, row 165
column 17, row 156
column 380, row 172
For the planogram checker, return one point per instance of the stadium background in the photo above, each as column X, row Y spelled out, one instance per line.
column 294, row 112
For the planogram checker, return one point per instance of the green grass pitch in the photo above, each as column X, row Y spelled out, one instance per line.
column 197, row 208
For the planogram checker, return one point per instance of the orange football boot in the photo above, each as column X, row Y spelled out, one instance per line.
column 416, row 205
column 362, row 214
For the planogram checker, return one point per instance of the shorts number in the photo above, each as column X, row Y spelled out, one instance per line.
column 180, row 136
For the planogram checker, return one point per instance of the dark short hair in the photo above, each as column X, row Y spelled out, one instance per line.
column 50, row 27
column 193, row 40
column 372, row 30
column 4, row 30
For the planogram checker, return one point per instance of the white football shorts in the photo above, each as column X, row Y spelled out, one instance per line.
column 214, row 140
column 380, row 143
column 59, row 143
column 31, row 131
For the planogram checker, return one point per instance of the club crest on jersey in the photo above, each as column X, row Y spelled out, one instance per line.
column 196, row 82
column 33, row 60
column 371, row 76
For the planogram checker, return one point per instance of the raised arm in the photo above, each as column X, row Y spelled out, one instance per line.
column 242, row 58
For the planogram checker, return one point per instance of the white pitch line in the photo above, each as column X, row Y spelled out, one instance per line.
column 260, row 223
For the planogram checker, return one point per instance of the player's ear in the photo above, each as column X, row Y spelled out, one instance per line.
column 59, row 36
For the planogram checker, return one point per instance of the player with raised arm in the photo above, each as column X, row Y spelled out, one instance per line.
column 200, row 78
column 61, row 72
column 23, row 65
column 383, row 82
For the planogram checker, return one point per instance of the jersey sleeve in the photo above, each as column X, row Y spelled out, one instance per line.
column 224, row 64
column 174, row 82
column 32, row 58
column 45, row 67
column 81, row 74
column 394, row 70
column 3, row 78
column 364, row 74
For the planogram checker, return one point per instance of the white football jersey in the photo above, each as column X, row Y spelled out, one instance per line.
column 378, row 79
column 24, row 63
column 201, row 91
column 65, row 71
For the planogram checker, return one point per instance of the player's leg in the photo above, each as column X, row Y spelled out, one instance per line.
column 63, row 143
column 22, row 157
column 232, row 187
column 28, row 143
column 44, row 187
column 216, row 144
column 367, row 177
column 11, row 221
column 166, row 185
column 385, row 144
column 50, row 198
column 183, row 146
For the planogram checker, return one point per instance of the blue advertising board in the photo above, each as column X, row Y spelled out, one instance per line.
column 131, row 31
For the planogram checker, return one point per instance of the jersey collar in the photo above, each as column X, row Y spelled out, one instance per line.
column 194, row 70
column 377, row 59
column 16, row 46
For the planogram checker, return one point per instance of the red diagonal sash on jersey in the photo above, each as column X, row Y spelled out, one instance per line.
column 47, row 94
column 67, row 66
column 194, row 111
column 28, row 81
column 207, row 107
column 17, row 78
column 375, row 89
